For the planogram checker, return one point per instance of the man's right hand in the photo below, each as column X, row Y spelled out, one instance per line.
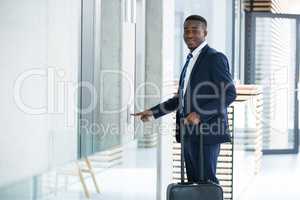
column 144, row 116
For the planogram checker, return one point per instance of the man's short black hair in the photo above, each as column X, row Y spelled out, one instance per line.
column 197, row 18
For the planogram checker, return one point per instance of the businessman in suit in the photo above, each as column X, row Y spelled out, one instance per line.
column 205, row 91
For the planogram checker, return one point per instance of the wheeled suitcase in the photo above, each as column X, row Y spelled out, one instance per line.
column 203, row 190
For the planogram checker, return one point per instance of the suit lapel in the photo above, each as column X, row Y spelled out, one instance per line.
column 199, row 59
column 198, row 62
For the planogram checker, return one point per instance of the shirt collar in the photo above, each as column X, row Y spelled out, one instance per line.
column 197, row 51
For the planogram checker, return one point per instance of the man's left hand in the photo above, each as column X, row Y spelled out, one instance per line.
column 192, row 119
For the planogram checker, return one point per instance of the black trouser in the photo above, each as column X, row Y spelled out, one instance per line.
column 191, row 156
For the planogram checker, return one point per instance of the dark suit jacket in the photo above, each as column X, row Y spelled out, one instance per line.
column 209, row 92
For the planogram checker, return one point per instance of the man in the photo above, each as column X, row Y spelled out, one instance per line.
column 205, row 91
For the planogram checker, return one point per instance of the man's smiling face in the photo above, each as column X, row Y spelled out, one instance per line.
column 194, row 33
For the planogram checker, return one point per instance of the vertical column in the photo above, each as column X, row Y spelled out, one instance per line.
column 87, row 77
column 114, row 74
column 158, row 73
column 153, row 69
column 128, row 56
column 167, row 127
column 154, row 72
column 109, row 77
column 140, row 63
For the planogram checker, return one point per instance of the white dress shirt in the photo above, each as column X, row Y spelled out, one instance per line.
column 189, row 69
column 192, row 62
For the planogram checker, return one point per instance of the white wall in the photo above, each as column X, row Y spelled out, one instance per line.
column 165, row 158
column 36, row 34
column 218, row 14
column 64, row 21
column 293, row 6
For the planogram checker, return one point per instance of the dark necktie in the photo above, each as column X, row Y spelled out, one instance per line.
column 181, row 84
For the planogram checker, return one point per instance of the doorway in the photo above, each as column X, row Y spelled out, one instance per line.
column 271, row 60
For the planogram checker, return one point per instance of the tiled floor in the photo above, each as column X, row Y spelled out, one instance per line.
column 135, row 179
column 278, row 180
column 118, row 185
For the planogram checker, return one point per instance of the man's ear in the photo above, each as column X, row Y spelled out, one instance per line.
column 205, row 32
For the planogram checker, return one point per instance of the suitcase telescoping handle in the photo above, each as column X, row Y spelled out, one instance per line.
column 182, row 133
column 201, row 153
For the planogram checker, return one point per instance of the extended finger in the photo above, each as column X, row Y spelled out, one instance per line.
column 136, row 114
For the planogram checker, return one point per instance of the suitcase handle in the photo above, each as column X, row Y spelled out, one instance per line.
column 201, row 154
column 182, row 133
